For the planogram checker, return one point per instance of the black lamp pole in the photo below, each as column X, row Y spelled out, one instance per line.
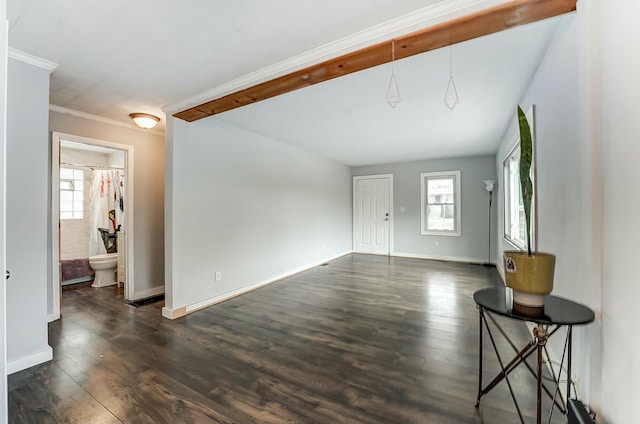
column 489, row 188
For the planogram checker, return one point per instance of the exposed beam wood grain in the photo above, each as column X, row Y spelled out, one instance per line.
column 499, row 18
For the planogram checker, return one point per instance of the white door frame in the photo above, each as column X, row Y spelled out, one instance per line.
column 391, row 221
column 55, row 212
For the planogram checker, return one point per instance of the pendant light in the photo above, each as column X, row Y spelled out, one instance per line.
column 451, row 99
column 393, row 92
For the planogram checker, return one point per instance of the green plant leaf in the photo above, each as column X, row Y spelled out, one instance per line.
column 526, row 157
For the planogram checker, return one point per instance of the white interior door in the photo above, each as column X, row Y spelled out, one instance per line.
column 372, row 214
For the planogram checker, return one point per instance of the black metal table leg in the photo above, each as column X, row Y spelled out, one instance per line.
column 540, row 334
column 481, row 315
column 504, row 374
column 570, row 337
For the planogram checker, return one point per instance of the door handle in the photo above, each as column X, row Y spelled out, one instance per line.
column 8, row 274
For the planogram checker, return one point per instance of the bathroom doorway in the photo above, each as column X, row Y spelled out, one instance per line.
column 92, row 186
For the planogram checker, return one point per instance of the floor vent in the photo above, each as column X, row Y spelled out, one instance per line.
column 147, row 301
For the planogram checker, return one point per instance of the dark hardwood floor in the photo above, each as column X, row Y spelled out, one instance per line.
column 365, row 339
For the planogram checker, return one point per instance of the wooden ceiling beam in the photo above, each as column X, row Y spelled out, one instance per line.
column 499, row 18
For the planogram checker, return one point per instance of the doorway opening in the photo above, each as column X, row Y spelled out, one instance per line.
column 92, row 215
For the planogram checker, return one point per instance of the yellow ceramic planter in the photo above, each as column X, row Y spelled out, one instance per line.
column 530, row 277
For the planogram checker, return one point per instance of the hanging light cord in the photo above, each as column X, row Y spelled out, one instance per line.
column 450, row 64
column 393, row 56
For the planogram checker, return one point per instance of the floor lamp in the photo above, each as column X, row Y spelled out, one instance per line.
column 488, row 185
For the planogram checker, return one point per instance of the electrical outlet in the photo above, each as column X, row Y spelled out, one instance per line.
column 218, row 275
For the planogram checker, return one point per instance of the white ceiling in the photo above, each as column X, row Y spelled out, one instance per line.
column 121, row 56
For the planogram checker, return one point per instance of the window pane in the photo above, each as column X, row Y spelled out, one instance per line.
column 441, row 218
column 71, row 193
column 440, row 188
column 514, row 218
column 449, row 218
column 66, row 196
column 66, row 206
column 435, row 217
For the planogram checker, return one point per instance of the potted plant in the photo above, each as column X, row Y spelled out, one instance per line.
column 529, row 274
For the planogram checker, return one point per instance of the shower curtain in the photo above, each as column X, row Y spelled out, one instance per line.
column 106, row 206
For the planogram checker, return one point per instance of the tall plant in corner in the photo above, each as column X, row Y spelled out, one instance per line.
column 529, row 274
column 526, row 185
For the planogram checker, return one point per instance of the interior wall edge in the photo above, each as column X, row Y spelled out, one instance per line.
column 29, row 361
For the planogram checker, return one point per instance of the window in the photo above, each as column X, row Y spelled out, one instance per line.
column 71, row 193
column 515, row 224
column 440, row 203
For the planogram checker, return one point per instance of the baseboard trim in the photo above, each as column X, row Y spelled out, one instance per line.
column 438, row 258
column 29, row 361
column 76, row 280
column 174, row 313
column 185, row 310
column 53, row 317
column 154, row 291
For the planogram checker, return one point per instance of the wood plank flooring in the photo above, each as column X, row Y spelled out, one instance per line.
column 365, row 339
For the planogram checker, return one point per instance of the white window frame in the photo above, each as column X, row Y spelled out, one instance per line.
column 76, row 214
column 510, row 192
column 424, row 178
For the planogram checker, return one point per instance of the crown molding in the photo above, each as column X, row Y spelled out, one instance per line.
column 419, row 19
column 102, row 119
column 47, row 65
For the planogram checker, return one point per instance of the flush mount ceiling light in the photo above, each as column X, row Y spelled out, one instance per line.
column 145, row 120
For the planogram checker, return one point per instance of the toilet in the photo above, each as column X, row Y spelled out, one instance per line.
column 105, row 268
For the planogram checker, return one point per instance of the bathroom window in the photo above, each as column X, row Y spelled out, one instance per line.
column 71, row 193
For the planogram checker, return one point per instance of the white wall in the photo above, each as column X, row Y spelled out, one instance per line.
column 472, row 246
column 620, row 77
column 148, row 194
column 247, row 206
column 568, row 185
column 27, row 193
